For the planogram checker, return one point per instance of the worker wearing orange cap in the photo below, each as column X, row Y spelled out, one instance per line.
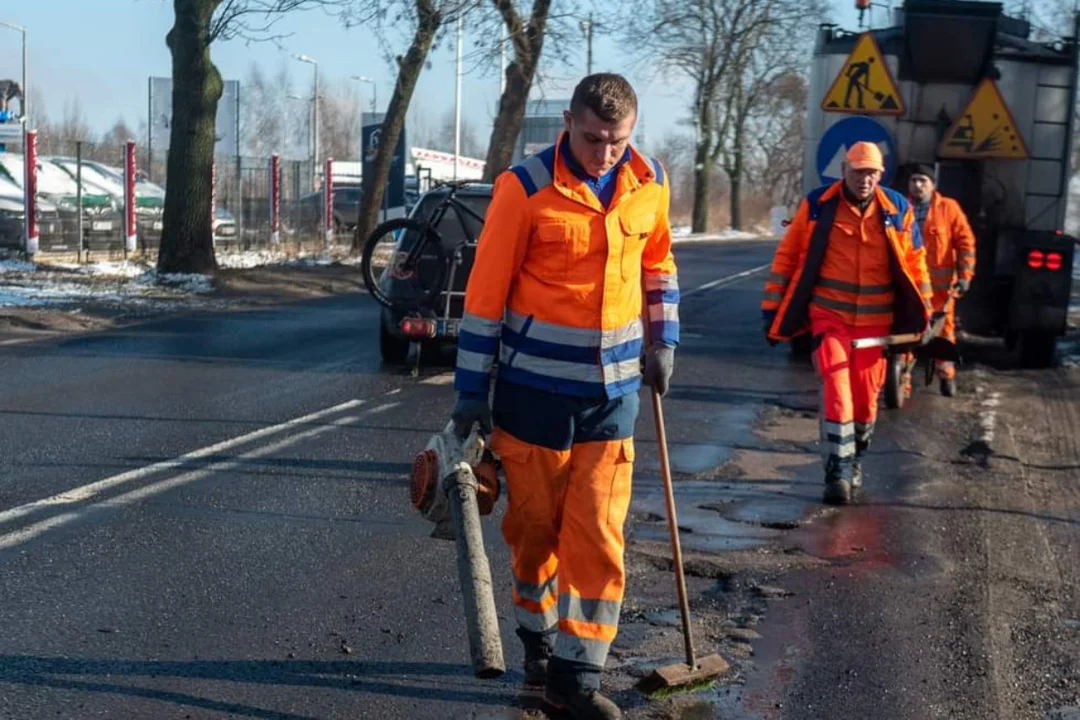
column 851, row 265
column 950, row 256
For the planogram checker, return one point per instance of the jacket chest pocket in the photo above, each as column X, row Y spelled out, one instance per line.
column 636, row 230
column 559, row 246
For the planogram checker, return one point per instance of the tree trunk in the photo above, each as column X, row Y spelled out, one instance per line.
column 187, row 238
column 409, row 67
column 504, row 133
column 528, row 43
column 704, row 160
column 700, row 221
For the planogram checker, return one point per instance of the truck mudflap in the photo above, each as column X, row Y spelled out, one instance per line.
column 1043, row 284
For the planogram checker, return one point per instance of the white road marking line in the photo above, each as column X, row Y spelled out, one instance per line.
column 719, row 282
column 22, row 535
column 443, row 379
column 86, row 492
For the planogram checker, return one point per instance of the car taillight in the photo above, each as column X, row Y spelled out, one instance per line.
column 1053, row 261
column 1036, row 258
column 418, row 327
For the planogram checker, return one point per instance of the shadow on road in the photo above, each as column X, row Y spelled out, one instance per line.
column 421, row 681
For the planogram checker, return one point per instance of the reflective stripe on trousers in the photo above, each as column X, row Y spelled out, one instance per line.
column 850, row 382
column 568, row 464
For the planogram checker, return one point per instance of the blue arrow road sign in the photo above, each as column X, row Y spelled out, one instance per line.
column 837, row 139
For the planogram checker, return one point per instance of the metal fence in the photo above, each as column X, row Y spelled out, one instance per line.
column 242, row 190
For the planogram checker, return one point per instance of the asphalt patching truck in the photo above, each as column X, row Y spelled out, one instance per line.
column 989, row 103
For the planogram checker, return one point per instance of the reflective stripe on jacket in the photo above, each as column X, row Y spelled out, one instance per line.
column 796, row 271
column 555, row 291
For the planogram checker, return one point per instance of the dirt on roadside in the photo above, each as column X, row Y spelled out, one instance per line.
column 103, row 303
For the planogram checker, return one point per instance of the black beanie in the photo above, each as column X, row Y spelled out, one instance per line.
column 921, row 169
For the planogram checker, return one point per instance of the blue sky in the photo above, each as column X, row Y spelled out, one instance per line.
column 103, row 51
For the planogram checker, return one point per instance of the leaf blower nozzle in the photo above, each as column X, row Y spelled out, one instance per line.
column 452, row 484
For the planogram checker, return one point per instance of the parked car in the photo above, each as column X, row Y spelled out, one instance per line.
column 346, row 208
column 13, row 219
column 102, row 226
column 149, row 198
column 224, row 227
column 393, row 342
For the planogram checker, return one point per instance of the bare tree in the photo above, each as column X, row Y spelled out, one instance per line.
column 776, row 140
column 698, row 39
column 769, row 42
column 526, row 38
column 339, row 124
column 426, row 18
column 186, row 241
column 470, row 143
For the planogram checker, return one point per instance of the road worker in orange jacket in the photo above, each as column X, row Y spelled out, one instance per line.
column 573, row 239
column 851, row 265
column 950, row 255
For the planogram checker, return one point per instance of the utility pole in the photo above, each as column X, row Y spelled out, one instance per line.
column 315, row 119
column 587, row 29
column 457, row 91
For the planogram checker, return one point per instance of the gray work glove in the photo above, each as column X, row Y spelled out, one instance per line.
column 471, row 408
column 962, row 287
column 659, row 364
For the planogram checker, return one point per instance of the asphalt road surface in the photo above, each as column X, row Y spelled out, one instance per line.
column 207, row 517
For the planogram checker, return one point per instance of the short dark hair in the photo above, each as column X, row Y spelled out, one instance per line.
column 609, row 95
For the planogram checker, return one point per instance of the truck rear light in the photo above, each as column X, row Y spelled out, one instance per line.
column 418, row 327
column 1053, row 261
column 1035, row 259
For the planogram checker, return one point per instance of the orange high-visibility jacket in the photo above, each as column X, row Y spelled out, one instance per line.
column 950, row 243
column 795, row 280
column 556, row 287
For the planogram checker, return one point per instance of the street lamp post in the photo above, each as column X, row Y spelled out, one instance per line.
column 285, row 125
column 314, row 115
column 25, row 95
column 374, row 91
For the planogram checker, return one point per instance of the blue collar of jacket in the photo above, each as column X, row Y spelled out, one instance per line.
column 604, row 186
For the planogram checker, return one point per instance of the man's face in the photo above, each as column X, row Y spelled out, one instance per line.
column 920, row 187
column 597, row 144
column 861, row 183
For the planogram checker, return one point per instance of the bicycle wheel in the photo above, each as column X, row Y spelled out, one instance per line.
column 406, row 286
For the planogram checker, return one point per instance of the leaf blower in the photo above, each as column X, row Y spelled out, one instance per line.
column 452, row 485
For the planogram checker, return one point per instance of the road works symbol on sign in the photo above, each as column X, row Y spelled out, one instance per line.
column 985, row 129
column 864, row 84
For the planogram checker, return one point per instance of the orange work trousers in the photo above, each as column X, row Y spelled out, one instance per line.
column 568, row 463
column 850, row 383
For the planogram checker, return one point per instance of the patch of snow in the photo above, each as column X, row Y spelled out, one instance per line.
column 16, row 266
column 122, row 269
column 722, row 235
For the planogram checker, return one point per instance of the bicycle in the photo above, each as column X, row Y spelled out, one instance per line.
column 431, row 280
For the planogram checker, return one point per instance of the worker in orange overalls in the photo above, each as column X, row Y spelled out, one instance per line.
column 950, row 256
column 851, row 265
column 573, row 239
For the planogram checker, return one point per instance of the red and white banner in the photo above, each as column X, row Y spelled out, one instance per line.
column 30, row 225
column 328, row 201
column 130, row 228
column 275, row 198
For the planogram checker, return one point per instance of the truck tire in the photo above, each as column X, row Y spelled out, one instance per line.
column 894, row 382
column 1037, row 348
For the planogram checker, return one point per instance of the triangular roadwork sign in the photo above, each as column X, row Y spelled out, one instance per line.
column 984, row 129
column 864, row 85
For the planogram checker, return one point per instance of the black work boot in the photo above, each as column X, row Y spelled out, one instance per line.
column 861, row 446
column 574, row 688
column 583, row 704
column 948, row 387
column 538, row 649
column 838, row 477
